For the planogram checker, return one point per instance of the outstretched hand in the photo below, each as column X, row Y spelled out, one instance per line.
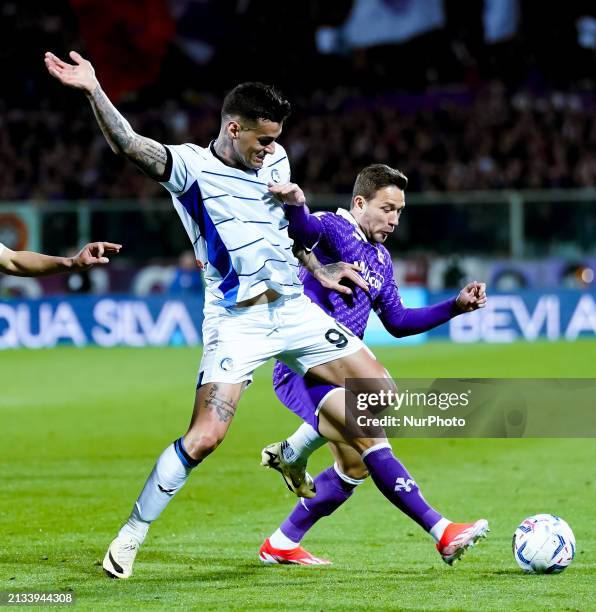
column 94, row 253
column 331, row 275
column 79, row 75
column 472, row 297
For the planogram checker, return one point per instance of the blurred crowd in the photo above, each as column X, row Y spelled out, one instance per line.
column 486, row 138
column 451, row 110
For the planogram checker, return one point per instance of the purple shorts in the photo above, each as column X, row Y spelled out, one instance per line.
column 302, row 396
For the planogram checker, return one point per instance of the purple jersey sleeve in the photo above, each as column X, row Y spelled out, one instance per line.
column 400, row 321
column 303, row 227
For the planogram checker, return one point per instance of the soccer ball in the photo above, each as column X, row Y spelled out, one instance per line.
column 543, row 544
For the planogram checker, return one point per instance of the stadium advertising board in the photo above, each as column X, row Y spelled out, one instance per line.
column 526, row 315
column 508, row 317
column 162, row 320
column 104, row 321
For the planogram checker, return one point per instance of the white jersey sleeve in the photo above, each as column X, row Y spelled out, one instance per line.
column 184, row 158
column 2, row 247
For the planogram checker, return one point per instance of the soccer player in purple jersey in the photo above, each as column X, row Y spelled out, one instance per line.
column 355, row 236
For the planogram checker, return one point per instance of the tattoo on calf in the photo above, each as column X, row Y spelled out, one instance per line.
column 223, row 407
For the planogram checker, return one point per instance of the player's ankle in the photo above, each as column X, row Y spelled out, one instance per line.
column 135, row 527
column 438, row 529
column 302, row 443
column 136, row 535
column 281, row 541
column 289, row 452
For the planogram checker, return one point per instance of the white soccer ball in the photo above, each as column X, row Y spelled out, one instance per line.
column 543, row 544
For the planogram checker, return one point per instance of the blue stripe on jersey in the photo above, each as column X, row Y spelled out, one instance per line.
column 229, row 195
column 276, row 162
column 217, row 252
column 280, row 284
column 223, row 220
column 270, row 259
column 245, row 245
column 238, row 178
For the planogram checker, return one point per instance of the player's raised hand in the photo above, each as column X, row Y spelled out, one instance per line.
column 79, row 75
column 331, row 275
column 94, row 253
column 472, row 297
column 289, row 193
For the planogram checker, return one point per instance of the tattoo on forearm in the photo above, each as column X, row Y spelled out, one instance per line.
column 307, row 259
column 224, row 408
column 114, row 126
column 148, row 155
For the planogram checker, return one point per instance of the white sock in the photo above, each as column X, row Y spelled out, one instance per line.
column 135, row 527
column 279, row 540
column 166, row 479
column 303, row 442
column 438, row 529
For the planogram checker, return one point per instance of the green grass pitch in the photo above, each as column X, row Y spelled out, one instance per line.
column 80, row 430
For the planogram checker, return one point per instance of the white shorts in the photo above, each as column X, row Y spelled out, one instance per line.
column 236, row 341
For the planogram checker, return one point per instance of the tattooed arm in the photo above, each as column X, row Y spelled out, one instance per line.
column 330, row 275
column 149, row 155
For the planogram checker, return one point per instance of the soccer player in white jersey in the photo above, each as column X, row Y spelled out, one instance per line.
column 28, row 263
column 255, row 306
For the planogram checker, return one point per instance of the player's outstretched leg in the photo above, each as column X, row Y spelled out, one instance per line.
column 212, row 415
column 396, row 484
column 389, row 475
column 334, row 487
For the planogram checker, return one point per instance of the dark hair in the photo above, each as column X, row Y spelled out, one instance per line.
column 254, row 101
column 375, row 177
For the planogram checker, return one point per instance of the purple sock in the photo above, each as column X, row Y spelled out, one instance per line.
column 332, row 492
column 396, row 484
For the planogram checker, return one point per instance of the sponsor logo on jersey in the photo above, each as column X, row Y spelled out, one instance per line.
column 374, row 279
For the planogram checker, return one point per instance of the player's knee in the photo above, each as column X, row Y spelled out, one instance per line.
column 355, row 472
column 202, row 444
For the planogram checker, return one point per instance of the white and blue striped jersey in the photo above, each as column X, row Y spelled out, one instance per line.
column 237, row 228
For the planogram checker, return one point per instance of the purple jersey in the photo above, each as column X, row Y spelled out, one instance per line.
column 337, row 237
column 342, row 240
